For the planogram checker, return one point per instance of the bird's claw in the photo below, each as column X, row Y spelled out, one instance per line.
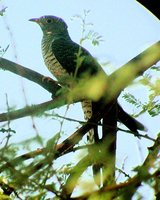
column 48, row 79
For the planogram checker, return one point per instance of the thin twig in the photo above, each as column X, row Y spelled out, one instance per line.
column 135, row 181
column 115, row 83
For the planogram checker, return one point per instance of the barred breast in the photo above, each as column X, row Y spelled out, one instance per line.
column 61, row 74
column 87, row 109
column 50, row 60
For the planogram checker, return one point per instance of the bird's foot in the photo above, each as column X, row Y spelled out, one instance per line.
column 48, row 79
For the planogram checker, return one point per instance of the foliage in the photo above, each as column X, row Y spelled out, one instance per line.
column 152, row 83
column 90, row 35
column 3, row 50
column 35, row 175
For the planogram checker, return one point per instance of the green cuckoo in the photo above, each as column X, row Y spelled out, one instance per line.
column 60, row 56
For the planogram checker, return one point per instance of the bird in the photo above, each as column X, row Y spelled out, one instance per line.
column 61, row 56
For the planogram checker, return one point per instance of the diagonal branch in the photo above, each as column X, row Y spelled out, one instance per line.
column 124, row 187
column 34, row 109
column 118, row 80
column 143, row 174
column 75, row 173
column 50, row 85
column 115, row 83
column 62, row 148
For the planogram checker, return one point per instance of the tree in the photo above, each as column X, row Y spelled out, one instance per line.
column 32, row 173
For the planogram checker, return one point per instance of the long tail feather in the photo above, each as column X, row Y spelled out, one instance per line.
column 129, row 121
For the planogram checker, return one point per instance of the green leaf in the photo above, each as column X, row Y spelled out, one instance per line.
column 132, row 99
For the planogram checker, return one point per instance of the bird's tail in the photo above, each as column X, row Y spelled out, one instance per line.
column 92, row 138
column 87, row 109
column 131, row 123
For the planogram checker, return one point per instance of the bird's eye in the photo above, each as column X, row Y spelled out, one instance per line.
column 49, row 20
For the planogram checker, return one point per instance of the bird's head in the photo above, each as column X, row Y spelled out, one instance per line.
column 51, row 24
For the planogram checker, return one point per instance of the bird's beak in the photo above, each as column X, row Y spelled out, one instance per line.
column 34, row 20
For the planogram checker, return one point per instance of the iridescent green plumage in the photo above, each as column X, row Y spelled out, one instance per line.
column 60, row 51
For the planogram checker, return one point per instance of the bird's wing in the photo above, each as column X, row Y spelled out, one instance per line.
column 66, row 53
column 74, row 58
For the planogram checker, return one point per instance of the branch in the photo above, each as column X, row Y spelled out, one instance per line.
column 124, row 76
column 127, row 73
column 49, row 84
column 115, row 83
column 33, row 110
column 121, row 186
column 75, row 173
column 62, row 148
column 143, row 174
